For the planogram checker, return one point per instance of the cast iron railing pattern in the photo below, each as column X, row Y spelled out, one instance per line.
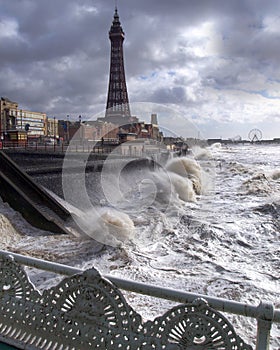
column 87, row 311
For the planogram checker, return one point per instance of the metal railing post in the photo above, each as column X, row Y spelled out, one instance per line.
column 265, row 313
column 265, row 317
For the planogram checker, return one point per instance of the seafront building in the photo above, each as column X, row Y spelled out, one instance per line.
column 17, row 125
column 52, row 132
column 20, row 125
column 88, row 130
column 32, row 122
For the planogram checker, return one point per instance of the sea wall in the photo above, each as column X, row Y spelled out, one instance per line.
column 46, row 168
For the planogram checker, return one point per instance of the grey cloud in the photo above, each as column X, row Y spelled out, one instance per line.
column 170, row 95
column 57, row 61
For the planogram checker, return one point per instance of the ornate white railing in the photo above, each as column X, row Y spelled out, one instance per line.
column 88, row 311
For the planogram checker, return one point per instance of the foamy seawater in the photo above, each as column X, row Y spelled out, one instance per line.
column 222, row 241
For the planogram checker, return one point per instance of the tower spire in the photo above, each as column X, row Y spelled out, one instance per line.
column 117, row 99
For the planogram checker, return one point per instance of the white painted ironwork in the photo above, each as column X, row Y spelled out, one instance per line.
column 87, row 311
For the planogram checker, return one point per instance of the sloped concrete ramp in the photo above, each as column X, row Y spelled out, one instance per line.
column 35, row 204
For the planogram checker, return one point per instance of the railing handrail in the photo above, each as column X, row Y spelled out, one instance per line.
column 75, row 146
column 220, row 304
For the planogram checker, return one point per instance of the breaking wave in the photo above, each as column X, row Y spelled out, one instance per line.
column 201, row 153
column 184, row 187
column 130, row 189
column 275, row 175
column 106, row 225
column 187, row 168
column 230, row 251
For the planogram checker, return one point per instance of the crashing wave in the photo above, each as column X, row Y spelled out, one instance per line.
column 187, row 168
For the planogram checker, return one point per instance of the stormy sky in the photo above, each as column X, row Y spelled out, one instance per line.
column 215, row 63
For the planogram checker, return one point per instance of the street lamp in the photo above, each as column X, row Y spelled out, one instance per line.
column 54, row 129
column 67, row 125
column 80, row 128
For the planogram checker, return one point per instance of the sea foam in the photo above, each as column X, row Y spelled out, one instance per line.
column 183, row 187
column 9, row 234
column 106, row 225
column 275, row 175
column 187, row 168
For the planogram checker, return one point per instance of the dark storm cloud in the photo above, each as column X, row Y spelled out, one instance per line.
column 170, row 95
column 52, row 51
column 55, row 54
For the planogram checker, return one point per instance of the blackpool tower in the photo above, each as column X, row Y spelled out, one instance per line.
column 117, row 100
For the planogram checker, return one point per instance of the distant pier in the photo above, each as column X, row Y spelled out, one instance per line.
column 234, row 142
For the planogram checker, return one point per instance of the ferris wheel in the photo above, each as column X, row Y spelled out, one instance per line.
column 255, row 135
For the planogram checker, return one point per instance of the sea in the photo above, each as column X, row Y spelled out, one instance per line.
column 207, row 222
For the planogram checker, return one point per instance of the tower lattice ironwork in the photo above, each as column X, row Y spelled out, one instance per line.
column 117, row 100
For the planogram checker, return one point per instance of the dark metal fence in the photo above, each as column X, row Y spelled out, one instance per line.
column 61, row 147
